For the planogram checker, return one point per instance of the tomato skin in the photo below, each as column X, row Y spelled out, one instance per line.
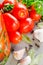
column 35, row 17
column 26, row 25
column 5, row 2
column 20, row 11
column 15, row 37
column 0, row 6
column 33, row 14
column 12, row 24
column 11, row 1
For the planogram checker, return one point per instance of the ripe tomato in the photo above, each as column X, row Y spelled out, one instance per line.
column 5, row 2
column 1, row 56
column 15, row 37
column 0, row 6
column 13, row 1
column 20, row 11
column 26, row 25
column 12, row 24
column 36, row 17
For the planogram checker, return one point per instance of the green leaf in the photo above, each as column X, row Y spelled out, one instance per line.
column 40, row 25
column 31, row 53
column 37, row 59
column 42, row 18
column 27, row 2
column 1, row 50
column 4, row 61
column 26, row 38
column 37, row 3
column 8, row 7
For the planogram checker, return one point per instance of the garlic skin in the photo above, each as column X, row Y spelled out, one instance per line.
column 38, row 34
column 25, row 61
column 19, row 54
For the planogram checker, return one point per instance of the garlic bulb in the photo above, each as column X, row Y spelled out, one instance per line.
column 19, row 54
column 25, row 61
column 38, row 34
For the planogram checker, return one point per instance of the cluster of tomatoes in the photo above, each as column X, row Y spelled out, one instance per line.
column 19, row 21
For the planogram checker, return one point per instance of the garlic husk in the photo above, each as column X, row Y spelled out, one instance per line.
column 19, row 54
column 25, row 61
column 40, row 25
column 38, row 34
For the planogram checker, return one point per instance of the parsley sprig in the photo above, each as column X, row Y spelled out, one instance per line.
column 38, row 4
column 8, row 7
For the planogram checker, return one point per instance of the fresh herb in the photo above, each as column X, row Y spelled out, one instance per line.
column 26, row 38
column 38, row 4
column 8, row 7
column 42, row 18
column 4, row 61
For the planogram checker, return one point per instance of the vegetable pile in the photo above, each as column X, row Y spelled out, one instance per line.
column 4, row 41
column 20, row 17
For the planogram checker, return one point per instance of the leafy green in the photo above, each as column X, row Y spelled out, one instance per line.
column 42, row 18
column 38, row 4
column 1, row 50
column 27, row 2
column 26, row 38
column 36, row 59
column 4, row 61
column 8, row 7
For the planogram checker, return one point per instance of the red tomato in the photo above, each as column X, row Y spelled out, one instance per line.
column 5, row 2
column 0, row 6
column 13, row 1
column 26, row 25
column 20, row 11
column 36, row 17
column 12, row 24
column 15, row 37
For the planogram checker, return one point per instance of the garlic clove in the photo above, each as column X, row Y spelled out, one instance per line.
column 19, row 54
column 38, row 34
column 25, row 61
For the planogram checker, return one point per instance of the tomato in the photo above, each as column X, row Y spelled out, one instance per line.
column 0, row 6
column 26, row 25
column 1, row 56
column 35, row 17
column 13, row 1
column 12, row 24
column 20, row 11
column 5, row 2
column 15, row 37
column 33, row 14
